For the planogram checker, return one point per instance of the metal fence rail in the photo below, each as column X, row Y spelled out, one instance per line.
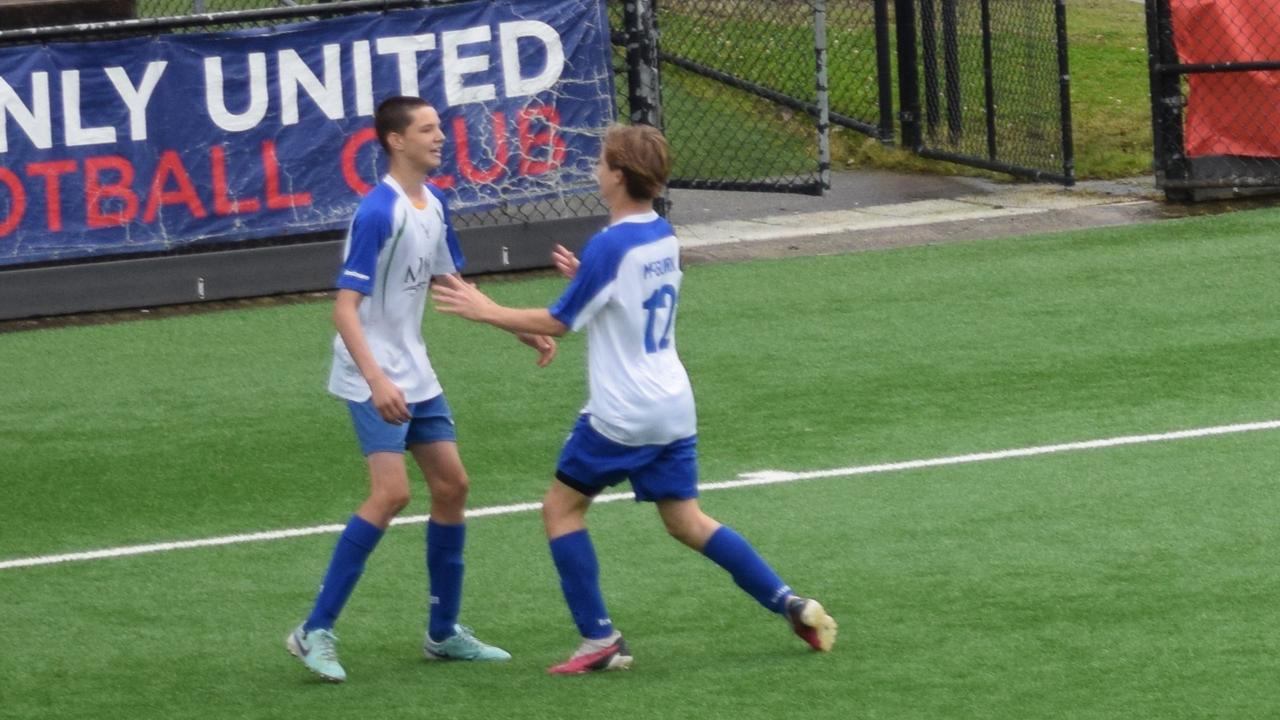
column 1215, row 95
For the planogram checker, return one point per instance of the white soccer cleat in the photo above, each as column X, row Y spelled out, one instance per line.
column 811, row 622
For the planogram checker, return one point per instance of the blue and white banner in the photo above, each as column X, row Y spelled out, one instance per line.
column 150, row 144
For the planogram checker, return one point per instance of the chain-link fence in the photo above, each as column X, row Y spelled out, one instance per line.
column 736, row 77
column 768, row 49
column 722, row 55
column 1215, row 93
column 988, row 84
column 735, row 74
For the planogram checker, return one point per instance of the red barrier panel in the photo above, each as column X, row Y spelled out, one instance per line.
column 1236, row 113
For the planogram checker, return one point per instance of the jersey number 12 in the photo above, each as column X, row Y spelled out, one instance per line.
column 659, row 301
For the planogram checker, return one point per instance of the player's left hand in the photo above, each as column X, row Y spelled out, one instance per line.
column 544, row 344
column 565, row 261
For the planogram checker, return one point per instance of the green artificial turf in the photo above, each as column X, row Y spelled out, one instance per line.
column 1114, row 583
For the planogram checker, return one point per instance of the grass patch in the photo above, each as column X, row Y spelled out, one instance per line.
column 1110, row 90
column 1131, row 582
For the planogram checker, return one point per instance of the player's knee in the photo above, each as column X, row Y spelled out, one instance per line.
column 679, row 529
column 557, row 514
column 452, row 490
column 692, row 529
column 551, row 513
column 391, row 502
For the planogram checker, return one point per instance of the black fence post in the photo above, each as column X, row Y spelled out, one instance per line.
column 643, row 91
column 884, row 72
column 824, row 98
column 951, row 70
column 1166, row 98
column 988, row 81
column 929, row 64
column 1064, row 94
column 908, row 78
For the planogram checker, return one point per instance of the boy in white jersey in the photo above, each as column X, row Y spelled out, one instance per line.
column 639, row 422
column 400, row 238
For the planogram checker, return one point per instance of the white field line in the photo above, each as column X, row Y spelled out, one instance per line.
column 764, row 477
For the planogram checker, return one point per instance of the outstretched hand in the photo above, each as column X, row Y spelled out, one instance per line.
column 566, row 262
column 544, row 344
column 455, row 296
column 533, row 326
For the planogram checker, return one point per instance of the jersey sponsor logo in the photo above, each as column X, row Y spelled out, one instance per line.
column 658, row 268
column 416, row 274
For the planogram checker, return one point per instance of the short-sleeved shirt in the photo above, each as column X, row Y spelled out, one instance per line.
column 625, row 294
column 391, row 252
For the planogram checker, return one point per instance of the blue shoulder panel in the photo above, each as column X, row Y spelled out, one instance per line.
column 370, row 230
column 600, row 260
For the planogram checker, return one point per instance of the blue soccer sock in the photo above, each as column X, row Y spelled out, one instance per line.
column 358, row 539
column 575, row 560
column 444, row 570
column 732, row 552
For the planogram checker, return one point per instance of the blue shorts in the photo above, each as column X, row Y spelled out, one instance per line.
column 431, row 422
column 591, row 462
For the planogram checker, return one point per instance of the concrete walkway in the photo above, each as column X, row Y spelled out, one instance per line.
column 874, row 209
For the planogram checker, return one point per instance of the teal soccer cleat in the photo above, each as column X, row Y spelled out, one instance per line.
column 316, row 650
column 462, row 645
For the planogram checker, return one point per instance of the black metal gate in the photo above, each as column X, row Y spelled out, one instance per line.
column 735, row 75
column 982, row 83
column 985, row 83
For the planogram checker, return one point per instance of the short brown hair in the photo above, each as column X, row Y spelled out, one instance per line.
column 394, row 115
column 643, row 156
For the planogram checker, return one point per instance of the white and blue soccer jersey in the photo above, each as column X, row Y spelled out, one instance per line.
column 391, row 252
column 625, row 294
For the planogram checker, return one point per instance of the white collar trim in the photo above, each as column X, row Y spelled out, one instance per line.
column 643, row 217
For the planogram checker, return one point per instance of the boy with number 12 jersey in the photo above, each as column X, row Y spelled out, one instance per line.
column 639, row 423
column 625, row 297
